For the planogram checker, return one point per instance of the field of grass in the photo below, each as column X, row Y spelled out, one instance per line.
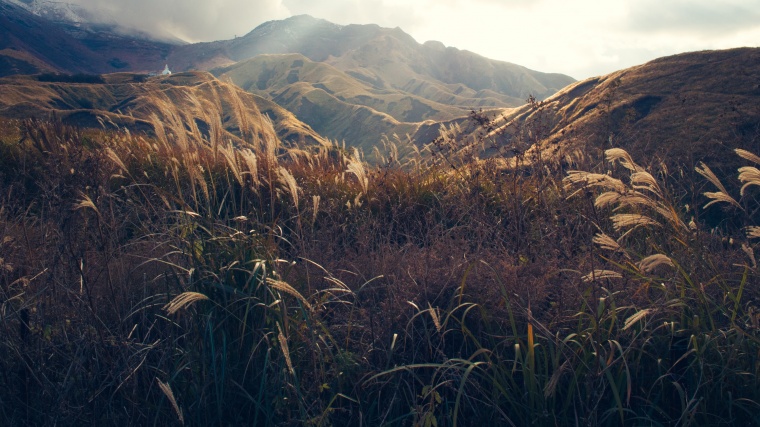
column 170, row 281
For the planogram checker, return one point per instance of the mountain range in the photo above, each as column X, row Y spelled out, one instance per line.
column 324, row 73
column 320, row 81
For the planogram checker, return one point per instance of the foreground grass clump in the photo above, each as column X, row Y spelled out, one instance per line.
column 153, row 281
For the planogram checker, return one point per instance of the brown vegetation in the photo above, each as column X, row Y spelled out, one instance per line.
column 188, row 280
column 189, row 105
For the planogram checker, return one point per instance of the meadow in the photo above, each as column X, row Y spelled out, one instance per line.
column 180, row 279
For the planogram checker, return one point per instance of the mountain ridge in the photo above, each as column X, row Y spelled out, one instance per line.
column 680, row 109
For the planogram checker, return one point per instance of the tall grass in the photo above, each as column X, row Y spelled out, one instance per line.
column 182, row 279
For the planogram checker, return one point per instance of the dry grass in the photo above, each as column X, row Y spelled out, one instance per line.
column 430, row 289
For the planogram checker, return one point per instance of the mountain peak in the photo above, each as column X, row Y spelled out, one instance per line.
column 300, row 22
column 435, row 45
column 60, row 12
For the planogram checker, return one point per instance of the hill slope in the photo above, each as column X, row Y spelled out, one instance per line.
column 376, row 72
column 189, row 105
column 691, row 107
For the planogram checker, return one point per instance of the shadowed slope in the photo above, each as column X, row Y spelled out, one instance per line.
column 30, row 44
column 685, row 108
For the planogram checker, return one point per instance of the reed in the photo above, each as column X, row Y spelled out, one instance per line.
column 279, row 286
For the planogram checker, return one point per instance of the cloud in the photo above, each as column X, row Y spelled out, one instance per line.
column 190, row 20
column 705, row 18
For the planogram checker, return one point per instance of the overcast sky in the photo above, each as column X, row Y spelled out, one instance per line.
column 581, row 38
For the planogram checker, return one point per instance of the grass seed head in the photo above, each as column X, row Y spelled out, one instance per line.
column 601, row 275
column 183, row 300
column 650, row 263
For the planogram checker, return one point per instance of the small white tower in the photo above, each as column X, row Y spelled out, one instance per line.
column 166, row 71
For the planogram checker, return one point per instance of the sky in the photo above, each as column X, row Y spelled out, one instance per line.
column 580, row 38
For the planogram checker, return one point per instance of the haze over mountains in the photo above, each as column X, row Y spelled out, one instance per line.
column 31, row 43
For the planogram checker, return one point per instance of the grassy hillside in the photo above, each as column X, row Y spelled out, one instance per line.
column 383, row 72
column 693, row 106
column 190, row 106
column 149, row 282
column 270, row 75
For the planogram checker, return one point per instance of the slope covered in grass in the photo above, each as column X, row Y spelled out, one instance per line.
column 688, row 107
column 183, row 106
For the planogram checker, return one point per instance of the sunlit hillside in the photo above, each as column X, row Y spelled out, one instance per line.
column 186, row 106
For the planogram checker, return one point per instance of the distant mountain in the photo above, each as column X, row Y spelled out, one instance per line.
column 30, row 44
column 184, row 106
column 333, row 103
column 383, row 57
column 58, row 12
column 81, row 23
column 325, row 73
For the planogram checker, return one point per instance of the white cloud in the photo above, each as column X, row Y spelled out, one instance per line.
column 703, row 18
column 585, row 37
column 191, row 20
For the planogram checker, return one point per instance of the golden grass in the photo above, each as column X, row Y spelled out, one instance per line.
column 606, row 242
column 285, row 349
column 86, row 203
column 498, row 260
column 635, row 318
column 183, row 300
column 623, row 221
column 285, row 287
column 650, row 263
column 167, row 390
column 621, row 156
column 719, row 196
column 600, row 274
column 749, row 175
column 748, row 155
column 290, row 182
